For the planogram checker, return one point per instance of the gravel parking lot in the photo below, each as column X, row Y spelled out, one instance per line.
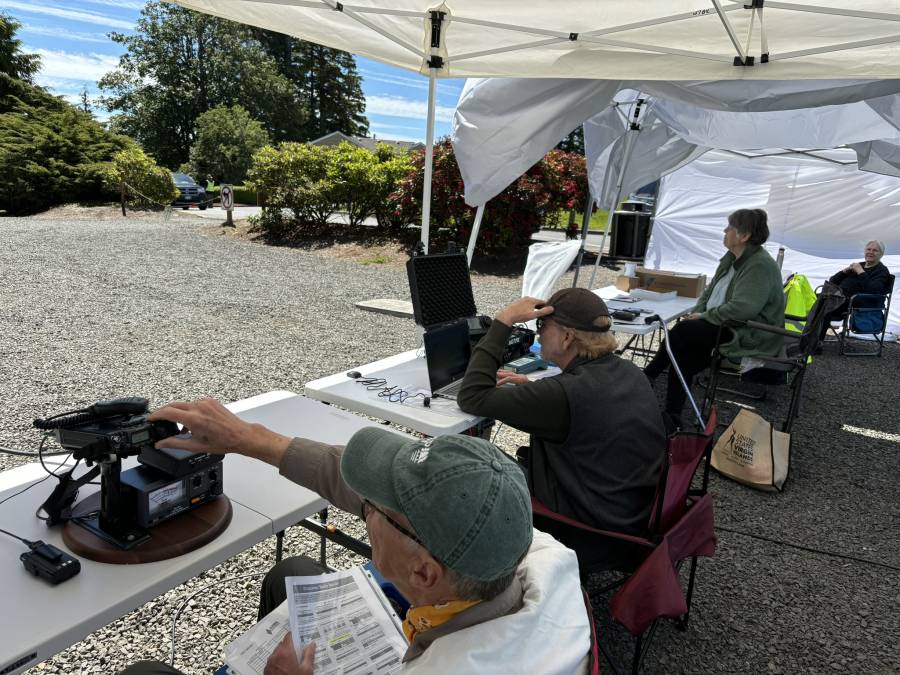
column 806, row 581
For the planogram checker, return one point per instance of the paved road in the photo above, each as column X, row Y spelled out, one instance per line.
column 241, row 212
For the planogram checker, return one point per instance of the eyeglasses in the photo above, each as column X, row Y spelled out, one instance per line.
column 368, row 507
column 541, row 321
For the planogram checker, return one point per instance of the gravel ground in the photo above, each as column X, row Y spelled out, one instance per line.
column 97, row 309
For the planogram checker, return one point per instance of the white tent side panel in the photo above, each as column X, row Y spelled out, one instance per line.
column 822, row 213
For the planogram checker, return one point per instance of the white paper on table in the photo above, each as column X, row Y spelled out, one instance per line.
column 344, row 612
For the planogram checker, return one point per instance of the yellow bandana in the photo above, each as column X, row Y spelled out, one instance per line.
column 420, row 619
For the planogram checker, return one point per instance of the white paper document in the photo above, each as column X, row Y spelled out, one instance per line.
column 347, row 616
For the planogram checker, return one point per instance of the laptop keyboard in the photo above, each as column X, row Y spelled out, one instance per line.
column 451, row 389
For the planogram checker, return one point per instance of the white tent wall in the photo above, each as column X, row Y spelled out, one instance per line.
column 823, row 213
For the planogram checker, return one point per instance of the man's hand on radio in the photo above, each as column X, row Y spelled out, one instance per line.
column 284, row 659
column 509, row 377
column 216, row 429
column 523, row 309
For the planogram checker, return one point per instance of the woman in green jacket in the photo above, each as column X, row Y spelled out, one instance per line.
column 747, row 286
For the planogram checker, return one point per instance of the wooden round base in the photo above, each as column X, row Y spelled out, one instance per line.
column 181, row 534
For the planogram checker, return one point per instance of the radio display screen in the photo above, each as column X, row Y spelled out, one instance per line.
column 139, row 437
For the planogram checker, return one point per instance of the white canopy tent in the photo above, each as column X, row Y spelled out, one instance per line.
column 822, row 209
column 663, row 39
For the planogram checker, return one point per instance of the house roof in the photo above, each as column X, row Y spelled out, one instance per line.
column 336, row 137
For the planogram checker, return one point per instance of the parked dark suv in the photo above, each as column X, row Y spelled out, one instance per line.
column 189, row 192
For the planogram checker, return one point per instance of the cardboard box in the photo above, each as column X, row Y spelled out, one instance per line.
column 686, row 285
column 626, row 284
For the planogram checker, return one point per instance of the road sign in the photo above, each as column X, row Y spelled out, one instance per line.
column 226, row 193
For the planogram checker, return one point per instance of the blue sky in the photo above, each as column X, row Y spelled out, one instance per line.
column 71, row 38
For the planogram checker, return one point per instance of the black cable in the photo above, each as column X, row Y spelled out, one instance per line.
column 809, row 549
column 392, row 393
column 15, row 536
column 23, row 453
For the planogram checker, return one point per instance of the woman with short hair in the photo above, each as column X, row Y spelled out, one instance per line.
column 868, row 276
column 747, row 286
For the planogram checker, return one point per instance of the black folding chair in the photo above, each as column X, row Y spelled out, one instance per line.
column 867, row 314
column 789, row 368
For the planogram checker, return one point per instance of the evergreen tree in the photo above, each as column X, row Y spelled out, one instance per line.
column 326, row 83
column 50, row 151
column 13, row 62
column 85, row 101
column 179, row 64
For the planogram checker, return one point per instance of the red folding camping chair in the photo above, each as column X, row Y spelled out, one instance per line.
column 680, row 527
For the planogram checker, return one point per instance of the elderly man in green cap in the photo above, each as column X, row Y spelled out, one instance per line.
column 597, row 436
column 450, row 526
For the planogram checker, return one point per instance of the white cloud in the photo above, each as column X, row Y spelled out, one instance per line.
column 61, row 65
column 420, row 83
column 396, row 106
column 124, row 4
column 66, row 34
column 72, row 14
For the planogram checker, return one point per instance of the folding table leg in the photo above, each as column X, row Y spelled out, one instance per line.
column 279, row 545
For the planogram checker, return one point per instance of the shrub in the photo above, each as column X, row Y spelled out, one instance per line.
column 558, row 181
column 364, row 180
column 147, row 183
column 294, row 177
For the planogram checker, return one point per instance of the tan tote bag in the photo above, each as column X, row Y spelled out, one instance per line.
column 753, row 453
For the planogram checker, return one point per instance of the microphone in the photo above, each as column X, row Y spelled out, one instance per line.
column 652, row 318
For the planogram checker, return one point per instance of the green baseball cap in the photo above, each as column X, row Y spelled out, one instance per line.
column 466, row 500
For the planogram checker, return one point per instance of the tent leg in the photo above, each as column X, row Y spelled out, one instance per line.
column 429, row 159
column 476, row 226
column 633, row 130
column 585, row 224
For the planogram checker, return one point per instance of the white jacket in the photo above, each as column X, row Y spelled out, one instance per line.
column 549, row 635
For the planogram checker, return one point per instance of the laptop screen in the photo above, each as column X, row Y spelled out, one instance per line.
column 447, row 352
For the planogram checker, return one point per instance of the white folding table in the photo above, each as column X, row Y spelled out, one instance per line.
column 668, row 310
column 38, row 620
column 408, row 371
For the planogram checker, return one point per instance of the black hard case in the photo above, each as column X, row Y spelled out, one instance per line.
column 440, row 288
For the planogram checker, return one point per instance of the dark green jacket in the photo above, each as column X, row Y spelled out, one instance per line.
column 754, row 294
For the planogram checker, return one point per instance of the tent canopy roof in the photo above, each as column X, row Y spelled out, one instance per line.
column 659, row 39
column 501, row 126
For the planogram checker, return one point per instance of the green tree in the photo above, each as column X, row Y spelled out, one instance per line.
column 326, row 83
column 50, row 151
column 13, row 62
column 179, row 64
column 226, row 140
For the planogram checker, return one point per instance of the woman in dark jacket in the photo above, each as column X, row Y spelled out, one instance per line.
column 868, row 276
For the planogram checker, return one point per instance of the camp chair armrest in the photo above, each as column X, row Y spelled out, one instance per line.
column 771, row 329
column 542, row 510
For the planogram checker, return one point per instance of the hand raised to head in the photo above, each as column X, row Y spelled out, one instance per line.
column 523, row 309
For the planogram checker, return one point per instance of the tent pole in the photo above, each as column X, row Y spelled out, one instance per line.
column 429, row 158
column 634, row 129
column 476, row 226
column 585, row 224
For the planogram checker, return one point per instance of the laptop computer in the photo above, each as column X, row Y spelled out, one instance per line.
column 447, row 353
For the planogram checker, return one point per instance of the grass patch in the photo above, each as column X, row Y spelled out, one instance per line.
column 376, row 260
column 598, row 220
